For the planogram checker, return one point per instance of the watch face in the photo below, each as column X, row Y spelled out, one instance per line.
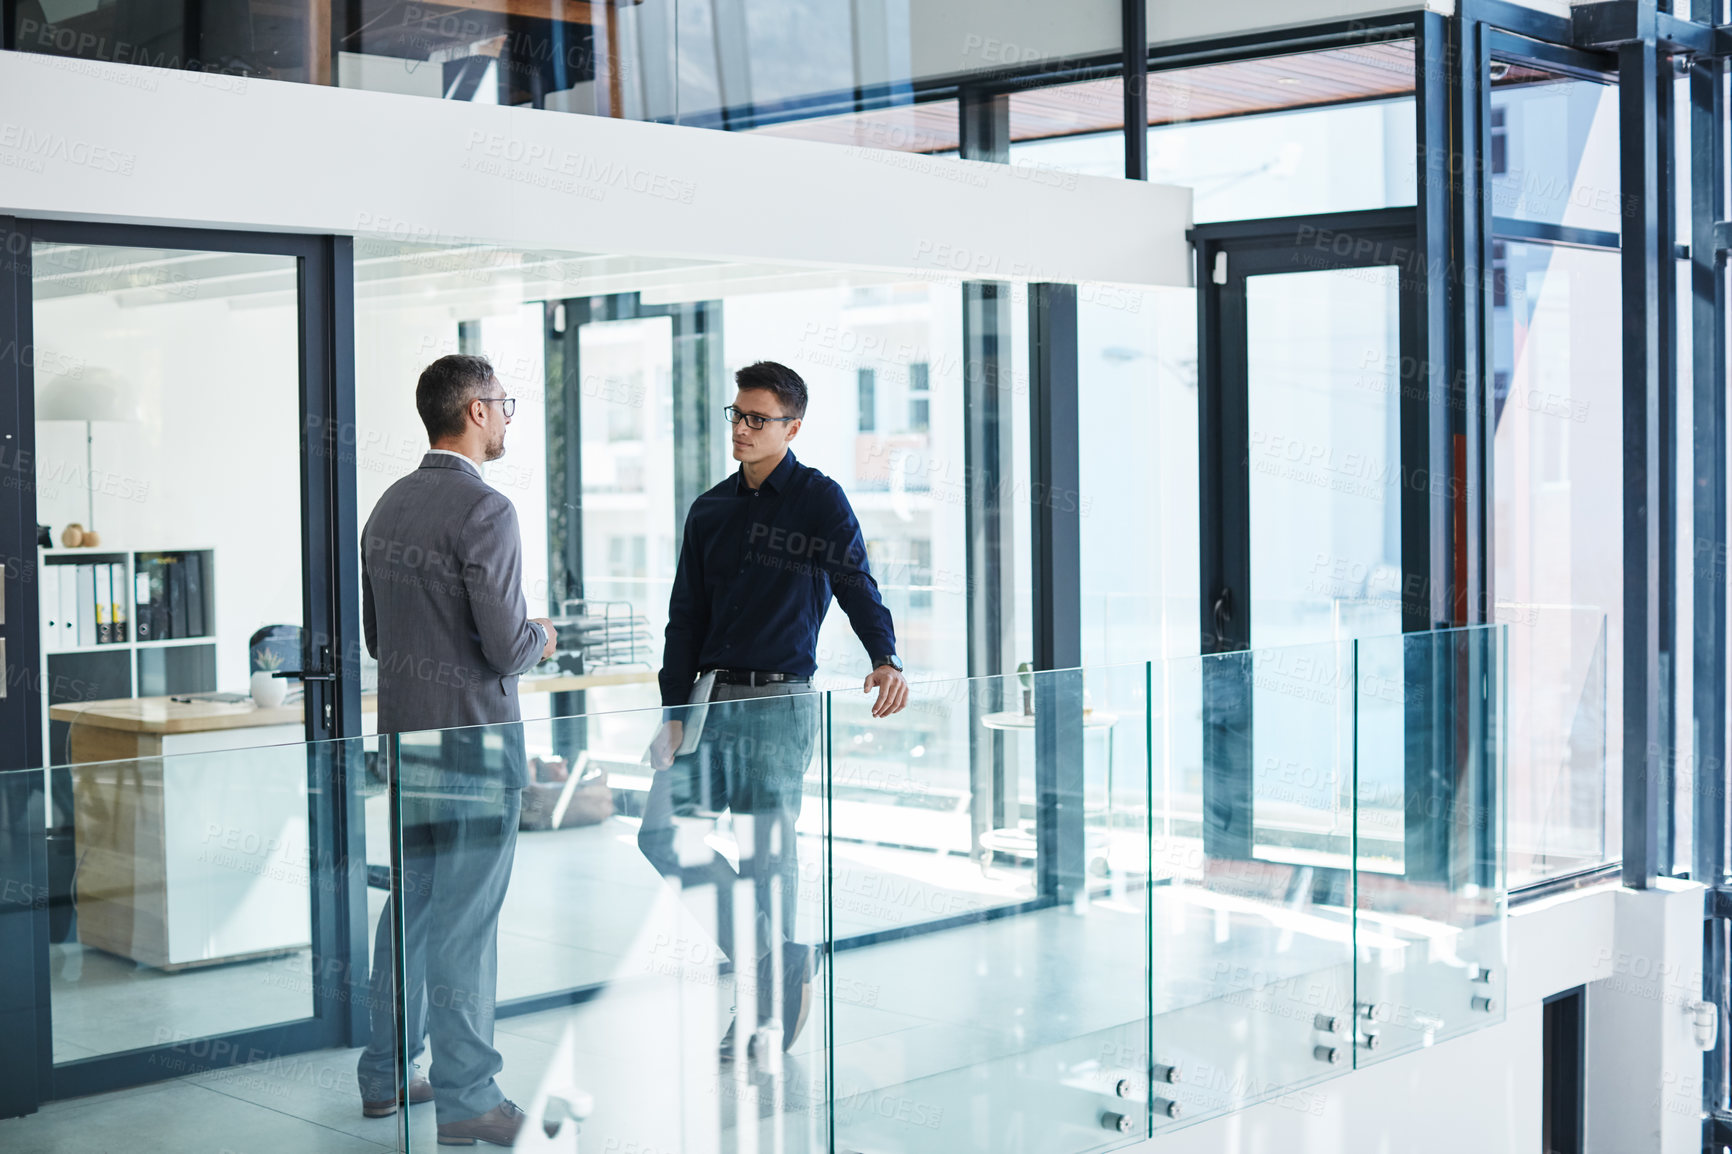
column 893, row 662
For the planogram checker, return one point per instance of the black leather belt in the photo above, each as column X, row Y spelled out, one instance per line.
column 753, row 677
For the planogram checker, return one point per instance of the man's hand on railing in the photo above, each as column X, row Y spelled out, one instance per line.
column 892, row 690
column 666, row 744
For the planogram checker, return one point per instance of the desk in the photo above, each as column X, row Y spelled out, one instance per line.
column 189, row 860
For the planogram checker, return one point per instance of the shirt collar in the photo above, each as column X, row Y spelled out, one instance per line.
column 777, row 481
column 471, row 465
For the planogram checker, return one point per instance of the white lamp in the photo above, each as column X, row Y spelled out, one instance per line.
column 93, row 395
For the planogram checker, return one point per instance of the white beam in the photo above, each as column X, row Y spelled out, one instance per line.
column 89, row 141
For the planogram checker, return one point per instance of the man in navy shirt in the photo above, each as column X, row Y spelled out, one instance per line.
column 763, row 553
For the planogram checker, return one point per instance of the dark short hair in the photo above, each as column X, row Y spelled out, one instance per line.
column 445, row 389
column 778, row 379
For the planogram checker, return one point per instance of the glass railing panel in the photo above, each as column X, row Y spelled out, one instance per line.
column 990, row 962
column 195, row 944
column 630, row 921
column 1430, row 914
column 1251, row 819
column 1557, row 740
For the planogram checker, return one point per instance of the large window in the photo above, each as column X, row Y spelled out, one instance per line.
column 1556, row 393
column 1558, row 547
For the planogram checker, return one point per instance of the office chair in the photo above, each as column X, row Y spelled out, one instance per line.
column 284, row 641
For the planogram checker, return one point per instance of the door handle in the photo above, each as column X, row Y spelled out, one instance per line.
column 322, row 671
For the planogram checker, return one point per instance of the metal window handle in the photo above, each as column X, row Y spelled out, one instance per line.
column 1223, row 612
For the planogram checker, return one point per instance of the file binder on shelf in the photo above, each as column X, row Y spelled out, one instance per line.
column 68, row 638
column 103, row 582
column 90, row 598
column 86, row 606
column 117, row 614
column 192, row 565
column 49, row 587
column 174, row 576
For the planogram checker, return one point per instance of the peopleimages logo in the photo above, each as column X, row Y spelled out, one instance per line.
column 577, row 166
column 44, row 146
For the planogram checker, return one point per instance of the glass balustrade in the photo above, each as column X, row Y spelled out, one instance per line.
column 1055, row 911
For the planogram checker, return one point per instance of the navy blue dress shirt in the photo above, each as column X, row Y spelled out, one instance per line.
column 756, row 572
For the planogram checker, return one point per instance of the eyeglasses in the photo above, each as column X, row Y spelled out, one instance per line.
column 509, row 404
column 753, row 420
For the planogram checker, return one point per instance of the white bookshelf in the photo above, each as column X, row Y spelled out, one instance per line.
column 49, row 561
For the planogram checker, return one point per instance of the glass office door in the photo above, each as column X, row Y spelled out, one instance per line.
column 183, row 462
column 1314, row 423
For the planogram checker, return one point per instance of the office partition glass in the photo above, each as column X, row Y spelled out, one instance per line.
column 171, row 572
column 167, row 467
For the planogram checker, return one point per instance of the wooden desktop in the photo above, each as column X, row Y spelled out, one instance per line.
column 188, row 860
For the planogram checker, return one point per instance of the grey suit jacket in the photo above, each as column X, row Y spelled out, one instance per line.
column 442, row 600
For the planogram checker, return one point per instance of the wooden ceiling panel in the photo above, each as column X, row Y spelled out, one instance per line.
column 1208, row 92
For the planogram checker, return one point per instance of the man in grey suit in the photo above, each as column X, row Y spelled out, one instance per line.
column 444, row 615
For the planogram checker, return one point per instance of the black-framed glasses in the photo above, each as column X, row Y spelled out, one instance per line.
column 753, row 421
column 508, row 404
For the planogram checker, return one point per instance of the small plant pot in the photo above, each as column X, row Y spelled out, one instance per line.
column 268, row 691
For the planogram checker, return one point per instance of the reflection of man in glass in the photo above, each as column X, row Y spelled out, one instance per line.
column 443, row 612
column 763, row 553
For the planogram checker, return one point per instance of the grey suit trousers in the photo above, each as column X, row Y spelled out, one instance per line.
column 459, row 839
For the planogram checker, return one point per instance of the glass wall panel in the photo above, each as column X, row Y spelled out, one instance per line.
column 884, row 366
column 1557, row 554
column 197, row 941
column 1137, row 374
column 417, row 303
column 1430, row 925
column 167, row 470
column 717, row 65
column 1277, row 136
column 631, row 530
column 1252, row 896
column 1554, row 149
column 1024, row 1030
column 192, row 914
column 639, row 964
column 172, row 573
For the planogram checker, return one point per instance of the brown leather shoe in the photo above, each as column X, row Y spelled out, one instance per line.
column 497, row 1127
column 420, row 1090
